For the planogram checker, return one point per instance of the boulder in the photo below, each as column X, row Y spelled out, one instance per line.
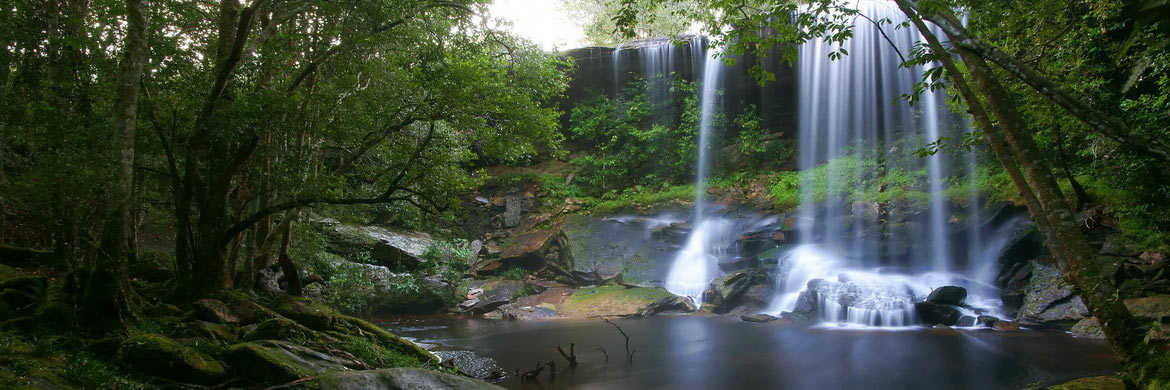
column 396, row 250
column 158, row 355
column 867, row 210
column 1152, row 309
column 360, row 328
column 277, row 362
column 1049, row 301
column 495, row 293
column 602, row 248
column 726, row 290
column 214, row 310
column 399, row 379
column 948, row 295
column 758, row 318
column 737, row 263
column 675, row 304
column 937, row 314
column 616, row 301
column 529, row 250
column 311, row 314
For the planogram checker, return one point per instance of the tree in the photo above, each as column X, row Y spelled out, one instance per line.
column 611, row 22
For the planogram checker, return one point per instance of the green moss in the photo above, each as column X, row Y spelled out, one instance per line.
column 358, row 327
column 280, row 329
column 611, row 300
column 267, row 365
column 308, row 313
column 156, row 354
column 639, row 197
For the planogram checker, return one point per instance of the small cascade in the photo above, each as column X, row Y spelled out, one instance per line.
column 848, row 268
column 695, row 266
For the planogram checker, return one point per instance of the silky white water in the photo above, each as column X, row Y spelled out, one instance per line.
column 849, row 109
column 695, row 266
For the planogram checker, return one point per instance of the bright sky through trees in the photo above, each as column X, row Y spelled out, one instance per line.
column 545, row 22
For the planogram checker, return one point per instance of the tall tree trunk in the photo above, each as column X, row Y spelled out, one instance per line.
column 1049, row 208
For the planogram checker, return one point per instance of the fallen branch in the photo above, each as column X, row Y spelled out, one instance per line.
column 629, row 355
column 571, row 356
column 532, row 374
column 604, row 353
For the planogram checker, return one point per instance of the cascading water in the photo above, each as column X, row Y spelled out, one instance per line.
column 695, row 265
column 848, row 115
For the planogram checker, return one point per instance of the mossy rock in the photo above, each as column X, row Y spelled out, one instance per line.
column 158, row 355
column 30, row 284
column 611, row 301
column 214, row 310
column 1092, row 383
column 399, row 378
column 276, row 362
column 356, row 327
column 211, row 330
column 279, row 329
column 251, row 312
column 314, row 315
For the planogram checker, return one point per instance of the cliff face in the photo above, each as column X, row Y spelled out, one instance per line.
column 599, row 70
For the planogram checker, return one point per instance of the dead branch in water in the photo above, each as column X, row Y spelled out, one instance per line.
column 629, row 355
column 604, row 353
column 532, row 374
column 552, row 369
column 571, row 356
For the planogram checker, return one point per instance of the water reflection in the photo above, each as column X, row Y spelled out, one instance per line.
column 695, row 352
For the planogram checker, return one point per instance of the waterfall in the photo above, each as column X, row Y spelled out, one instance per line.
column 694, row 266
column 849, row 107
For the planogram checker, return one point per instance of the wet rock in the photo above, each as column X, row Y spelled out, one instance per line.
column 965, row 321
column 277, row 362
column 948, row 295
column 731, row 286
column 530, row 250
column 675, row 304
column 736, row 263
column 304, row 311
column 799, row 318
column 399, row 379
column 758, row 318
column 603, row 248
column 1006, row 326
column 526, row 313
column 472, row 364
column 1049, row 301
column 936, row 314
column 158, row 355
column 806, row 302
column 987, row 321
column 1155, row 307
column 214, row 310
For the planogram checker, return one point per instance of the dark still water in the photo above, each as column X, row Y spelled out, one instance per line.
column 692, row 352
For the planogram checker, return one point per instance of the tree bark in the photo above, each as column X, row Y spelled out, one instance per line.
column 1063, row 235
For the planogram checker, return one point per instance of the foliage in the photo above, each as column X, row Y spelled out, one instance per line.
column 514, row 273
column 611, row 22
column 637, row 139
